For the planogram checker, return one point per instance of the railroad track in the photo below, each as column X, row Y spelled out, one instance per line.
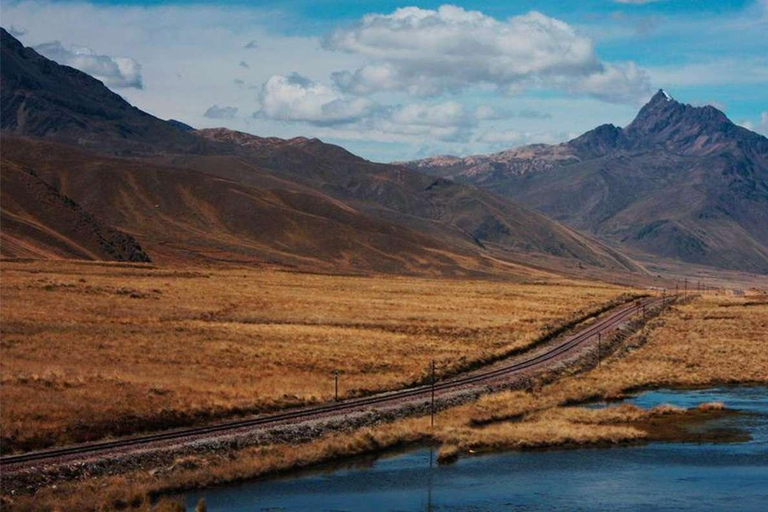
column 607, row 324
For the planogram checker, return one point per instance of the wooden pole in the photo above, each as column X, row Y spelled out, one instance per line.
column 336, row 385
column 433, row 394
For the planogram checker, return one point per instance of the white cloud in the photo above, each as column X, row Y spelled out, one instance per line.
column 428, row 52
column 217, row 112
column 449, row 113
column 118, row 72
column 297, row 98
column 446, row 121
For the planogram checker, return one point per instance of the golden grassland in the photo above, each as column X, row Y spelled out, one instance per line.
column 95, row 349
column 712, row 340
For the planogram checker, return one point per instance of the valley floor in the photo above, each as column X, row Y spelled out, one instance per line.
column 91, row 350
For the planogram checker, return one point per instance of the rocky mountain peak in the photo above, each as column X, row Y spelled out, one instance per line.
column 661, row 97
column 658, row 113
column 680, row 128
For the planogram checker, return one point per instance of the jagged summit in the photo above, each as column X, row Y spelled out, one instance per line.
column 664, row 122
column 683, row 129
column 661, row 96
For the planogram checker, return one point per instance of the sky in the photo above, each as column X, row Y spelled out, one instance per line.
column 394, row 81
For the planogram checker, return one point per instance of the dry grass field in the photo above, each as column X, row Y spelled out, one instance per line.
column 90, row 350
column 712, row 340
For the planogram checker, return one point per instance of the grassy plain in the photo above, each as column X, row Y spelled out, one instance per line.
column 90, row 350
column 711, row 341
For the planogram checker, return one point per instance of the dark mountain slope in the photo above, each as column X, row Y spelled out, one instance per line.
column 679, row 182
column 44, row 99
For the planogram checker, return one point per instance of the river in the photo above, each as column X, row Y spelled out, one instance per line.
column 655, row 476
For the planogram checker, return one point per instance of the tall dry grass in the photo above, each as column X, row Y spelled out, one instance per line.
column 94, row 349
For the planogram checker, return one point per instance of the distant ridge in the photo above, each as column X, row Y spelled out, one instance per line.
column 679, row 182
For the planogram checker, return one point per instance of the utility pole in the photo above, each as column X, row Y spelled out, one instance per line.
column 336, row 385
column 433, row 394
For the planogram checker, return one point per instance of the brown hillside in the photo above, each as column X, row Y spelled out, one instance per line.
column 182, row 215
column 40, row 222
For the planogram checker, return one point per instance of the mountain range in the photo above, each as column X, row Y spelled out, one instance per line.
column 87, row 175
column 679, row 182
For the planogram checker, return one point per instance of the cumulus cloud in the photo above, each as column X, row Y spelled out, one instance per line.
column 428, row 52
column 448, row 121
column 297, row 98
column 217, row 112
column 118, row 72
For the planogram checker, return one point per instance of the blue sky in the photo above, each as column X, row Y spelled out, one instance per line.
column 400, row 80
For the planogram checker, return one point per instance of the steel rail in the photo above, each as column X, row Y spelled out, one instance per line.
column 308, row 412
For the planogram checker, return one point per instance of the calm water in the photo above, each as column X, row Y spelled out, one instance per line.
column 668, row 476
